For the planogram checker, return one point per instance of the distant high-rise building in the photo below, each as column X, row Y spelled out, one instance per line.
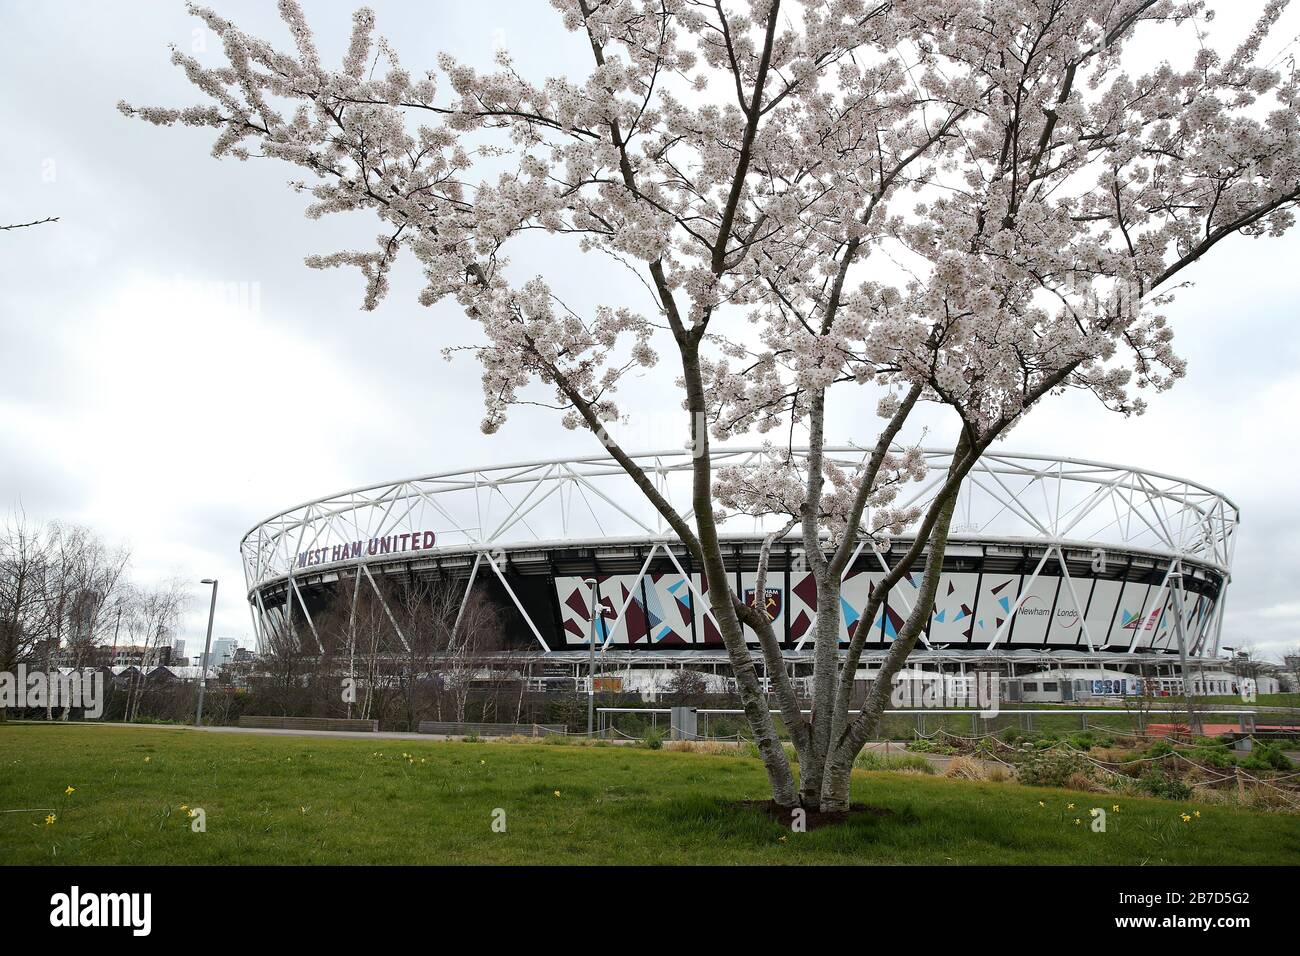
column 223, row 652
column 178, row 651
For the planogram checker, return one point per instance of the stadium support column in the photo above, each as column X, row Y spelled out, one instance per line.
column 1175, row 579
column 591, row 661
column 207, row 649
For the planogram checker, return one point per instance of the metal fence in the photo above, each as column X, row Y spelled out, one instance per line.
column 723, row 724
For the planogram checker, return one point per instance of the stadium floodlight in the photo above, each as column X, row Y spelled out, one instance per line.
column 207, row 649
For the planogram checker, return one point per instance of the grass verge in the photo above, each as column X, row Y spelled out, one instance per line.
column 296, row 800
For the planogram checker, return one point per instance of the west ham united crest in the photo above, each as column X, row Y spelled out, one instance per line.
column 771, row 600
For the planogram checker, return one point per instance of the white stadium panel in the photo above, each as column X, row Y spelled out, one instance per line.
column 997, row 596
column 952, row 620
column 1165, row 619
column 1033, row 609
column 803, row 605
column 1066, row 628
column 1134, row 621
column 857, row 591
column 671, row 605
column 1102, row 609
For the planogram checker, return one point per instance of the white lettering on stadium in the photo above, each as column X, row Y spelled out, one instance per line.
column 351, row 550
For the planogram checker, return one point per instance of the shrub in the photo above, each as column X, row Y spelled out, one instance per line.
column 964, row 768
column 923, row 746
column 727, row 726
column 702, row 747
column 1212, row 756
column 1051, row 768
column 1266, row 756
column 1166, row 786
column 1080, row 780
column 748, row 748
column 874, row 760
column 653, row 739
column 1087, row 739
column 998, row 773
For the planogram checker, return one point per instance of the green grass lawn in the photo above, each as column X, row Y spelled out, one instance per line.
column 309, row 800
column 1263, row 700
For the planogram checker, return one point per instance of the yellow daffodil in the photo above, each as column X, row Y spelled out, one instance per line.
column 185, row 808
column 1094, row 811
column 1115, row 807
column 1078, row 822
column 557, row 793
column 1069, row 806
column 194, row 813
column 147, row 759
column 1041, row 804
column 70, row 791
column 49, row 821
column 1186, row 818
column 1196, row 813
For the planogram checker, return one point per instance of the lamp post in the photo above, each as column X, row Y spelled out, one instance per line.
column 591, row 660
column 207, row 648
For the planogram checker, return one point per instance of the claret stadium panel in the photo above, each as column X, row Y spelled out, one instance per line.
column 1046, row 554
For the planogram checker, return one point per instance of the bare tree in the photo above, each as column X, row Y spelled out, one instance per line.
column 468, row 656
column 24, row 551
column 24, row 225
column 60, row 585
column 446, row 636
column 1291, row 667
column 411, row 646
column 99, row 580
column 687, row 686
column 285, row 663
column 150, row 616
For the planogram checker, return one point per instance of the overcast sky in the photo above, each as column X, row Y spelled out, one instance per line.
column 171, row 372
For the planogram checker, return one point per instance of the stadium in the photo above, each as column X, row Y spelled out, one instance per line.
column 1056, row 565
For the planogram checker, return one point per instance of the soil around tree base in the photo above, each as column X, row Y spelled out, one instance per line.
column 814, row 819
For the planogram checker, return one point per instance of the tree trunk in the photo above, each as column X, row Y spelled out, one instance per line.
column 752, row 699
column 835, row 795
column 827, row 636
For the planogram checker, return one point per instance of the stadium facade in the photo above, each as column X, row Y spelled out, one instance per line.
column 1052, row 561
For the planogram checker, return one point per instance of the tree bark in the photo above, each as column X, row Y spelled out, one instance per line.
column 835, row 795
column 752, row 699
